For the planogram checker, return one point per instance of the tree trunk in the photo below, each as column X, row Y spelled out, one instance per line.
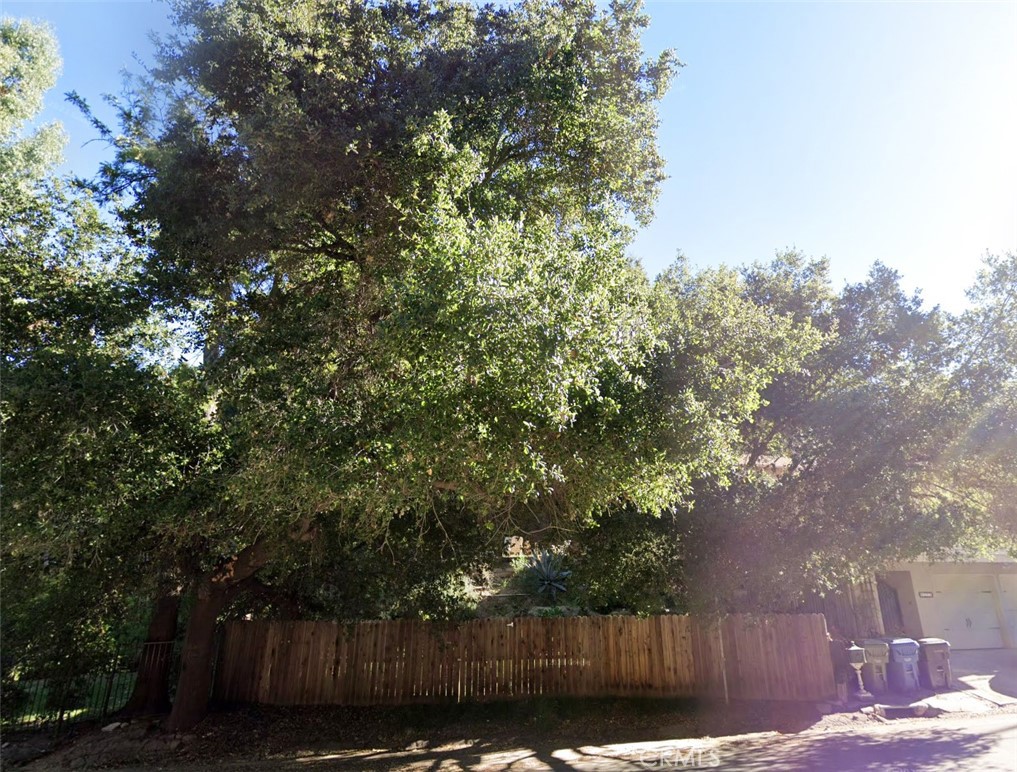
column 151, row 689
column 211, row 595
column 195, row 683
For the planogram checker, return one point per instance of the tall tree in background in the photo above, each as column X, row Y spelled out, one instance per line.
column 889, row 444
column 978, row 463
column 98, row 435
column 723, row 347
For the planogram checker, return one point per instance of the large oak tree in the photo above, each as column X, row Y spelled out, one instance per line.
column 398, row 232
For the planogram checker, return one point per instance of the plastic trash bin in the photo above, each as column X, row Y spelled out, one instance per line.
column 902, row 670
column 877, row 657
column 934, row 663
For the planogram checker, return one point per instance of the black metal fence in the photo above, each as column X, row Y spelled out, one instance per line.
column 54, row 699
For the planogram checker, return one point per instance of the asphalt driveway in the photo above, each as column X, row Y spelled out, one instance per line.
column 991, row 673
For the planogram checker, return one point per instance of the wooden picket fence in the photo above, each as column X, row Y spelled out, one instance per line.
column 774, row 657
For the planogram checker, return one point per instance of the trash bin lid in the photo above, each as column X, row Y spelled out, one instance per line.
column 902, row 646
column 933, row 643
column 876, row 649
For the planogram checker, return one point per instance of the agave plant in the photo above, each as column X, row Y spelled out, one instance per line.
column 546, row 567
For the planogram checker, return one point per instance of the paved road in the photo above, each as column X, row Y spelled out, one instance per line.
column 984, row 743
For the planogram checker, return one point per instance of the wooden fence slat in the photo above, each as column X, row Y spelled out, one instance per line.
column 433, row 674
column 629, row 656
column 479, row 659
column 466, row 664
column 264, row 672
column 613, row 654
column 491, row 651
column 633, row 656
column 553, row 659
column 516, row 653
column 646, row 685
column 530, row 655
column 504, row 680
column 360, row 666
column 354, row 664
column 610, row 655
column 671, row 643
column 598, row 681
column 660, row 683
column 345, row 681
column 586, row 656
column 642, row 680
column 450, row 663
column 523, row 660
column 803, row 671
column 377, row 677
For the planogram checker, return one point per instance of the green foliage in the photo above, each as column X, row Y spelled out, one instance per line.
column 866, row 457
column 60, row 619
column 99, row 438
column 548, row 574
column 406, row 571
column 29, row 66
column 397, row 232
column 722, row 348
column 977, row 467
column 14, row 696
column 409, row 286
column 626, row 560
column 549, row 612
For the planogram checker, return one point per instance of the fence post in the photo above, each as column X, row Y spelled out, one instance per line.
column 64, row 692
column 109, row 687
column 723, row 659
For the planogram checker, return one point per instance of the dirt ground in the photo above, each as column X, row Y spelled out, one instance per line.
column 233, row 738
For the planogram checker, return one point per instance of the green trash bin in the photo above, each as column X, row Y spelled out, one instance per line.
column 877, row 657
column 902, row 670
column 934, row 663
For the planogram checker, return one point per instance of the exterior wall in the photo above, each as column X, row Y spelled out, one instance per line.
column 974, row 602
column 901, row 582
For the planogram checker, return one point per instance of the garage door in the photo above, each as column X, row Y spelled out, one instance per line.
column 966, row 606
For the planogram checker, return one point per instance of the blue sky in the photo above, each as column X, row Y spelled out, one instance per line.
column 858, row 131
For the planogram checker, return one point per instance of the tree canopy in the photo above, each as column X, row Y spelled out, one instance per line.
column 98, row 437
column 399, row 233
column 892, row 441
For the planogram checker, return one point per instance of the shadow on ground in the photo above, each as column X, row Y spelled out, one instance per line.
column 845, row 752
column 508, row 734
column 499, row 725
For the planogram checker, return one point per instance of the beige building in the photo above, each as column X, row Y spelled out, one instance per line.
column 972, row 603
